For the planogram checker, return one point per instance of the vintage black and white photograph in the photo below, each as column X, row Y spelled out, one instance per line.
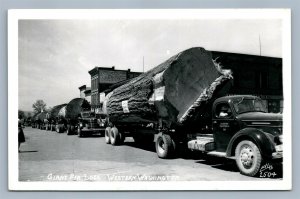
column 149, row 99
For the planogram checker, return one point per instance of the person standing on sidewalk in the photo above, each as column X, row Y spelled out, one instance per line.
column 21, row 137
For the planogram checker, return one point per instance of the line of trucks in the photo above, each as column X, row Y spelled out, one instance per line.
column 184, row 102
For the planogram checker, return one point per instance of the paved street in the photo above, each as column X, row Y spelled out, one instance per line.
column 49, row 156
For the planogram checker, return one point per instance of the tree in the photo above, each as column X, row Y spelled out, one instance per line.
column 21, row 114
column 39, row 106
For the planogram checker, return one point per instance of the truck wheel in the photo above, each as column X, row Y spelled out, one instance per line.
column 57, row 128
column 60, row 129
column 248, row 158
column 107, row 134
column 72, row 129
column 79, row 131
column 164, row 146
column 121, row 137
column 114, row 136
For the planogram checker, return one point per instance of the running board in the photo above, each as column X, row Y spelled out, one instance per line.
column 220, row 154
column 203, row 144
column 217, row 153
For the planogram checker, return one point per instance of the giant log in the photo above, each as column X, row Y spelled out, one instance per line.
column 171, row 92
column 55, row 111
column 75, row 107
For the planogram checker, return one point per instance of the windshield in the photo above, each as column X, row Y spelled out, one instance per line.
column 249, row 105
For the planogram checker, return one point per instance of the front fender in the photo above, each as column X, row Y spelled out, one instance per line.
column 263, row 142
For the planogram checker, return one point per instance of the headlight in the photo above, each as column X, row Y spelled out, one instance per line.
column 278, row 148
column 280, row 139
column 80, row 125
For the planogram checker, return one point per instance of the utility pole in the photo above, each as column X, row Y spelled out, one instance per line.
column 143, row 65
column 259, row 45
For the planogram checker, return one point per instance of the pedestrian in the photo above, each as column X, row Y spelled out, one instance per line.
column 21, row 137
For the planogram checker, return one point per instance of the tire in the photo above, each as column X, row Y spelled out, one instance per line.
column 79, row 131
column 60, row 129
column 122, row 137
column 57, row 128
column 164, row 146
column 72, row 129
column 248, row 158
column 107, row 135
column 114, row 136
column 69, row 130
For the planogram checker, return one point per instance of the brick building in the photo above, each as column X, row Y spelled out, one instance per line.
column 103, row 78
column 255, row 75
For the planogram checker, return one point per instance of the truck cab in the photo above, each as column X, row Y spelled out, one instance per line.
column 91, row 124
column 243, row 130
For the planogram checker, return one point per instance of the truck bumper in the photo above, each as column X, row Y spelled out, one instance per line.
column 279, row 152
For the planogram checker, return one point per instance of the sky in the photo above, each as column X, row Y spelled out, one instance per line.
column 56, row 55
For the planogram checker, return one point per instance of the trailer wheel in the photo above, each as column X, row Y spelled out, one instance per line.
column 107, row 135
column 114, row 136
column 248, row 158
column 164, row 146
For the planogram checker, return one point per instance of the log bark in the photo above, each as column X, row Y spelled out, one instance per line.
column 75, row 107
column 168, row 91
column 55, row 110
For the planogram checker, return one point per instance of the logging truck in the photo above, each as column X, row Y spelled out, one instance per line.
column 184, row 102
column 240, row 129
column 91, row 124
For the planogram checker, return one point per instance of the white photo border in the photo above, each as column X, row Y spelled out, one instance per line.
column 13, row 162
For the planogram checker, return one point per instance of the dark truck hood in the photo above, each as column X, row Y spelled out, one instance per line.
column 268, row 122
